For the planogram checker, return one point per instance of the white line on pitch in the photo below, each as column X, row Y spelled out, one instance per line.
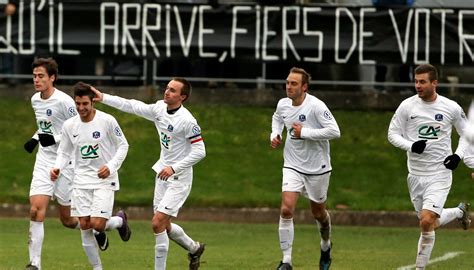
column 445, row 257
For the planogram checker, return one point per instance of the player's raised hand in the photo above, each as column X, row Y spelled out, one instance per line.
column 99, row 96
column 276, row 142
column 54, row 174
column 468, row 132
column 103, row 172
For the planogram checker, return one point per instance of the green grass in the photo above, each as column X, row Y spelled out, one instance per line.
column 240, row 169
column 237, row 246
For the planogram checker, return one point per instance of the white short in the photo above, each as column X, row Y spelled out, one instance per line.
column 313, row 187
column 429, row 192
column 60, row 189
column 92, row 202
column 170, row 195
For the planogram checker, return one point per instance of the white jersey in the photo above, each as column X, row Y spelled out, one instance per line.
column 93, row 144
column 182, row 145
column 309, row 154
column 416, row 120
column 50, row 115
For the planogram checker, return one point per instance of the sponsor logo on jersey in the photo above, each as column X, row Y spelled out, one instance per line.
column 49, row 112
column 170, row 128
column 428, row 132
column 96, row 134
column 45, row 127
column 439, row 117
column 165, row 140
column 90, row 151
column 117, row 131
column 302, row 117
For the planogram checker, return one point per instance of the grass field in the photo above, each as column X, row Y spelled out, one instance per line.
column 240, row 169
column 238, row 246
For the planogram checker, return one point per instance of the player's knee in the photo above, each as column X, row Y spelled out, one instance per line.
column 320, row 215
column 69, row 222
column 286, row 212
column 36, row 214
column 97, row 224
column 426, row 223
column 158, row 225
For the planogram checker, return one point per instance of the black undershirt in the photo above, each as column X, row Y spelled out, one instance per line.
column 173, row 110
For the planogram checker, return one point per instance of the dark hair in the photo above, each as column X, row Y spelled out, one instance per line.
column 305, row 77
column 186, row 90
column 49, row 64
column 82, row 89
column 427, row 68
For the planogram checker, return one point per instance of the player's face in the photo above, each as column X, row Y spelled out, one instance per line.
column 295, row 89
column 85, row 108
column 425, row 88
column 41, row 80
column 173, row 95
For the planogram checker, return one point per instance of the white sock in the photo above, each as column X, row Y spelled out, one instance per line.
column 325, row 232
column 35, row 242
column 162, row 243
column 178, row 235
column 286, row 232
column 425, row 246
column 113, row 223
column 90, row 247
column 448, row 215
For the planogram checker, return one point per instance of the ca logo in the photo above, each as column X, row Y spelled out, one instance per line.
column 89, row 151
column 165, row 140
column 428, row 132
column 45, row 127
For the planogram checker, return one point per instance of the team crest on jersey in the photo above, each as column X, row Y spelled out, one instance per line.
column 117, row 131
column 170, row 128
column 302, row 117
column 96, row 134
column 49, row 112
column 71, row 111
column 438, row 117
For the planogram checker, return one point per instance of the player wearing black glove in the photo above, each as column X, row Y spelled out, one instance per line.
column 46, row 139
column 30, row 145
column 418, row 146
column 452, row 162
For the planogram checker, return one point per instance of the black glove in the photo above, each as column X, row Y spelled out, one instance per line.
column 418, row 146
column 30, row 145
column 452, row 162
column 46, row 140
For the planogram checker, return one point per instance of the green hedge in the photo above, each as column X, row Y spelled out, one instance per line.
column 240, row 170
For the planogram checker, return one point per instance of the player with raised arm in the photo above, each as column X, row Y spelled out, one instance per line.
column 422, row 126
column 52, row 108
column 96, row 142
column 181, row 147
column 307, row 163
